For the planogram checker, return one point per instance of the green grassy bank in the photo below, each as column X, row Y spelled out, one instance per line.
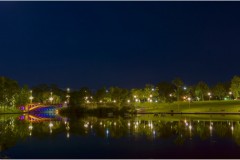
column 192, row 107
column 176, row 107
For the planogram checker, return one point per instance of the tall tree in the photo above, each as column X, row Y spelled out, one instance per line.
column 164, row 90
column 235, row 86
column 118, row 95
column 137, row 95
column 101, row 95
column 42, row 93
column 23, row 96
column 8, row 92
column 178, row 83
column 201, row 90
column 219, row 90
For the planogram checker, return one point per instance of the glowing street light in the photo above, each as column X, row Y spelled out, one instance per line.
column 189, row 100
column 68, row 90
column 128, row 101
column 68, row 96
column 31, row 97
column 51, row 98
column 230, row 93
column 209, row 94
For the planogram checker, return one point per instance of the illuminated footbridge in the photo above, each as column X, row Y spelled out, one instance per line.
column 37, row 107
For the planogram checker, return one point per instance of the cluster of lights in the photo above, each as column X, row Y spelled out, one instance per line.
column 187, row 98
column 87, row 99
column 86, row 125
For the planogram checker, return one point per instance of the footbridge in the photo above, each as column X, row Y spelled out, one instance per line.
column 39, row 107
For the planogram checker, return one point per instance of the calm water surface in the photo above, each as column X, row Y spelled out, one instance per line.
column 51, row 136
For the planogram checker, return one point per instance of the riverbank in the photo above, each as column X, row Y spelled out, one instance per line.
column 206, row 107
column 192, row 107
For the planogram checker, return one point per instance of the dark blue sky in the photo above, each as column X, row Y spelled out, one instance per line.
column 125, row 44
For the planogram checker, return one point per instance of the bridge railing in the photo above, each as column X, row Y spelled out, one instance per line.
column 33, row 106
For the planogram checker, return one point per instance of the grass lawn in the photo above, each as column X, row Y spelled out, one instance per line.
column 193, row 107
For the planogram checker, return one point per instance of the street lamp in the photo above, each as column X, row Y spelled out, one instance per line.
column 67, row 96
column 189, row 100
column 31, row 97
column 230, row 93
column 51, row 98
column 209, row 94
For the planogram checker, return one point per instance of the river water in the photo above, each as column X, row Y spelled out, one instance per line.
column 143, row 136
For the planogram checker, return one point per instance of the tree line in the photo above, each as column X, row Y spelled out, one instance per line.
column 12, row 95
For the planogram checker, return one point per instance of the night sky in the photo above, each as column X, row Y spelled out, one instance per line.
column 125, row 44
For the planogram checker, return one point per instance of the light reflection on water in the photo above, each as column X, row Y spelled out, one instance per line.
column 143, row 131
